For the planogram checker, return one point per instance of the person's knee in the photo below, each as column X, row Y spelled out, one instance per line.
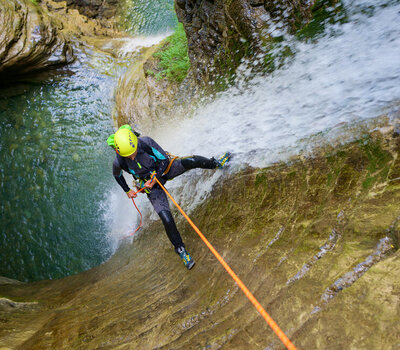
column 188, row 163
column 199, row 162
column 166, row 217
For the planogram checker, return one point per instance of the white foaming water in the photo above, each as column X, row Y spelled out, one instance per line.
column 348, row 77
column 339, row 79
column 133, row 44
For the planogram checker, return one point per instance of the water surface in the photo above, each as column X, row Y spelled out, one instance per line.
column 55, row 166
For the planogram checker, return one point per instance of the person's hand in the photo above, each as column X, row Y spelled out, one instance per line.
column 131, row 194
column 149, row 184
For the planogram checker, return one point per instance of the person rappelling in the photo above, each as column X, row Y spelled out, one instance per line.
column 145, row 160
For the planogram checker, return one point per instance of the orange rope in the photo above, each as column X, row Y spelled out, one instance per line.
column 282, row 336
column 140, row 223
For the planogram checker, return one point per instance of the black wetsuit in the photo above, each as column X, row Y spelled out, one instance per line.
column 151, row 157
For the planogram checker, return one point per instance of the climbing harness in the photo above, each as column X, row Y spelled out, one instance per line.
column 281, row 335
column 171, row 160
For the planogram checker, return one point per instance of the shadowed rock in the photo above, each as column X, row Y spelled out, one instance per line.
column 29, row 39
column 221, row 32
column 94, row 8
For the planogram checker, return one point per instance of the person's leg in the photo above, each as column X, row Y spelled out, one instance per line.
column 182, row 165
column 199, row 162
column 159, row 200
column 171, row 229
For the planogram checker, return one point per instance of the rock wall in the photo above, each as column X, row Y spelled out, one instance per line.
column 30, row 40
column 95, row 8
column 221, row 32
column 76, row 25
column 142, row 99
column 36, row 37
column 134, row 102
column 316, row 241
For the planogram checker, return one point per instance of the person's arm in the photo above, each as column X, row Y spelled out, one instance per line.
column 119, row 177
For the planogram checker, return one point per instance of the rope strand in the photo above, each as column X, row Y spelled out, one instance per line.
column 141, row 217
column 274, row 326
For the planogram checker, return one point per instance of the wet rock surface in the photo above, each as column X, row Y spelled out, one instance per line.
column 7, row 305
column 95, row 8
column 324, row 223
column 30, row 39
column 142, row 99
column 220, row 35
column 37, row 38
column 221, row 32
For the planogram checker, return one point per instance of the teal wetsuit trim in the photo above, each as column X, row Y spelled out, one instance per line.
column 157, row 154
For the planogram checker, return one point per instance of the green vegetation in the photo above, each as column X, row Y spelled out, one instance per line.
column 277, row 51
column 378, row 167
column 367, row 155
column 35, row 2
column 173, row 57
column 323, row 12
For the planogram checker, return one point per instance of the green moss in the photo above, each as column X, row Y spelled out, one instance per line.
column 369, row 160
column 150, row 72
column 378, row 162
column 229, row 59
column 277, row 54
column 173, row 57
column 377, row 157
column 261, row 179
column 323, row 12
column 394, row 234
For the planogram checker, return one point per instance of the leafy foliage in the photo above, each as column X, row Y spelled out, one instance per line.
column 174, row 60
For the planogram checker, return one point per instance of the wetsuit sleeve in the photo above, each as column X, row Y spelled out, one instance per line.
column 117, row 172
column 161, row 156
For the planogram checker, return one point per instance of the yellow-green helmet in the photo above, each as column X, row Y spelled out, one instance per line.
column 125, row 142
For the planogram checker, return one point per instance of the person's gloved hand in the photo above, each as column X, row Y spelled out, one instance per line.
column 131, row 194
column 152, row 181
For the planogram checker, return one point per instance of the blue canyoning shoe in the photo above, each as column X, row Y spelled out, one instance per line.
column 186, row 258
column 223, row 160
